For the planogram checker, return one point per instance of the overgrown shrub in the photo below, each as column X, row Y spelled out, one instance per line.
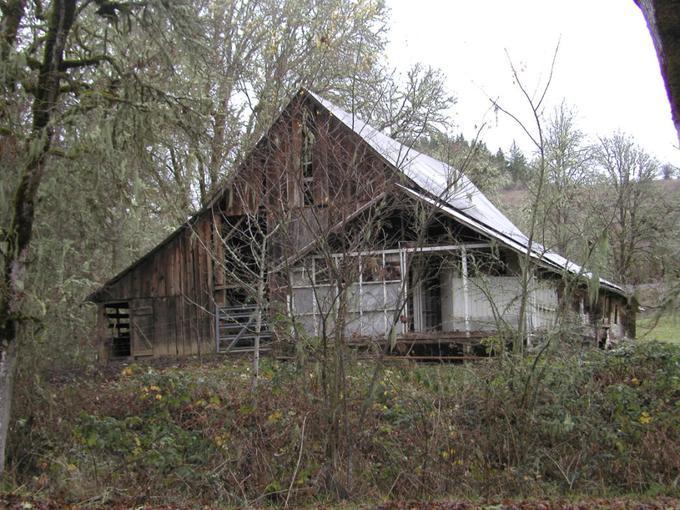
column 587, row 422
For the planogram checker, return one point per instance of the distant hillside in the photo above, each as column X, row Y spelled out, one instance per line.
column 515, row 202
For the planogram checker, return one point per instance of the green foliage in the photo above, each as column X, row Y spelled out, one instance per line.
column 594, row 422
column 517, row 165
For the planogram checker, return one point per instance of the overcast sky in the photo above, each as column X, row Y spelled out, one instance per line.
column 606, row 65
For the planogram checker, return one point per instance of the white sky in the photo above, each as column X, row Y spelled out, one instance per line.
column 606, row 65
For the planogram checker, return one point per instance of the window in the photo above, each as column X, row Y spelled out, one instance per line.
column 371, row 269
column 321, row 273
column 300, row 277
column 307, row 158
column 372, row 292
column 392, row 268
column 377, row 268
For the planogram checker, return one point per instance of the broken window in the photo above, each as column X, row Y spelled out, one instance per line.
column 380, row 268
column 348, row 268
column 300, row 276
column 118, row 324
column 392, row 268
column 371, row 269
column 321, row 273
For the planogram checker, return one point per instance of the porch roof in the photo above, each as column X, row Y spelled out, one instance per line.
column 453, row 193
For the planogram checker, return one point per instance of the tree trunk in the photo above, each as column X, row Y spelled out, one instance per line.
column 20, row 229
column 260, row 304
column 7, row 365
column 663, row 20
column 12, row 14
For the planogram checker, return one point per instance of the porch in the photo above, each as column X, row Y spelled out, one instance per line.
column 434, row 298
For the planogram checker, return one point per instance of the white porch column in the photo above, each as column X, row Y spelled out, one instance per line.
column 466, row 297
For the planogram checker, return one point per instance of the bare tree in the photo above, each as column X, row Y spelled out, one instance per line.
column 536, row 133
column 315, row 220
column 560, row 165
column 629, row 173
column 569, row 172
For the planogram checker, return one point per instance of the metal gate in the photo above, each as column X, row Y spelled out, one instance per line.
column 236, row 329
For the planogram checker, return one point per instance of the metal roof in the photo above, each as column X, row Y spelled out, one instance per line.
column 454, row 193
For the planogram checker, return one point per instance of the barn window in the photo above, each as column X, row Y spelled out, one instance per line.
column 392, row 268
column 616, row 314
column 118, row 323
column 307, row 158
column 321, row 273
column 371, row 269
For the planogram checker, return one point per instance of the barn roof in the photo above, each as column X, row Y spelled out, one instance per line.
column 454, row 193
column 434, row 182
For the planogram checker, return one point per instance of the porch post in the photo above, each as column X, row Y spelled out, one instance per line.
column 217, row 327
column 532, row 309
column 466, row 298
column 405, row 287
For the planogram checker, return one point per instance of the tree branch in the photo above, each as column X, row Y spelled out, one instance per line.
column 84, row 62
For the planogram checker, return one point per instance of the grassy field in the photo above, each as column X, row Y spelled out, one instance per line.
column 666, row 329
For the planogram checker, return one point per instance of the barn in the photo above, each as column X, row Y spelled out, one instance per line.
column 331, row 229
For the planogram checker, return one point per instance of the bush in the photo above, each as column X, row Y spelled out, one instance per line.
column 569, row 422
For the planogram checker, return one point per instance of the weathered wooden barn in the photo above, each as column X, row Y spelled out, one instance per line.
column 331, row 228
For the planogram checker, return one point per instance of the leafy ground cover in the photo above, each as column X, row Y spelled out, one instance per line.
column 18, row 502
column 564, row 428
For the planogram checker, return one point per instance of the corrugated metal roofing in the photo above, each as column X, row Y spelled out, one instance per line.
column 454, row 193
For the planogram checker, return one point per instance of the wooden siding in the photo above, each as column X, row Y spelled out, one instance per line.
column 170, row 295
column 172, row 292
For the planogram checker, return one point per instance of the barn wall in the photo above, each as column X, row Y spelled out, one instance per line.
column 178, row 284
column 544, row 304
column 346, row 175
column 173, row 290
column 170, row 294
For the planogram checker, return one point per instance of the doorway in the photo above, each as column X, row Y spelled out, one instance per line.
column 427, row 295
